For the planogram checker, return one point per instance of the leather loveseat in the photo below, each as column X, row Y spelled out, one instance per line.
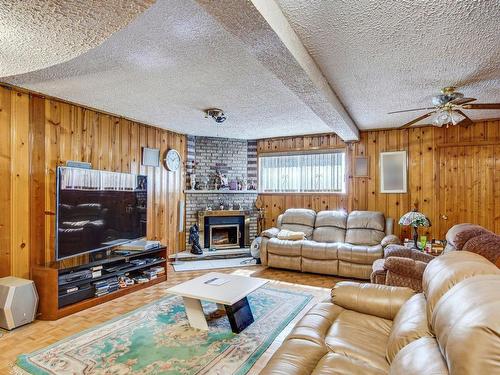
column 336, row 243
column 453, row 327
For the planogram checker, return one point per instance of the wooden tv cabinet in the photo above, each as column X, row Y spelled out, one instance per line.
column 46, row 279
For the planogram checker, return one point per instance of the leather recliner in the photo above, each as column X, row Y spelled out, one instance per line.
column 336, row 243
column 453, row 327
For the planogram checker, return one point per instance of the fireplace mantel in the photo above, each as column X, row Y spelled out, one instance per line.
column 223, row 213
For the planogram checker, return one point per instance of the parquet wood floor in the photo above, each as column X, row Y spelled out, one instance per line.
column 42, row 333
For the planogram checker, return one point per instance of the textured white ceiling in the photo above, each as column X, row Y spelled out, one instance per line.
column 267, row 35
column 35, row 34
column 381, row 56
column 169, row 65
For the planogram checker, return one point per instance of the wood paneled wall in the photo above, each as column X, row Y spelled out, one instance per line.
column 464, row 160
column 37, row 135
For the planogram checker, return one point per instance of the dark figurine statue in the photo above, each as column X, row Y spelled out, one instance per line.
column 194, row 240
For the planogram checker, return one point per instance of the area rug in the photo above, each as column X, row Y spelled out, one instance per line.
column 196, row 265
column 157, row 339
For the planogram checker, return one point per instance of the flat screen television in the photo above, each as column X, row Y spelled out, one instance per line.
column 97, row 210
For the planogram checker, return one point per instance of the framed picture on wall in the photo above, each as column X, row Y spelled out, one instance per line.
column 360, row 166
column 393, row 172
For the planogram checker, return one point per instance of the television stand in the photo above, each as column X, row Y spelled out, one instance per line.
column 64, row 291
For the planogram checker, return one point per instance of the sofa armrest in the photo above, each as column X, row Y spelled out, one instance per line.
column 270, row 233
column 372, row 299
column 404, row 252
column 405, row 267
column 390, row 239
column 263, row 250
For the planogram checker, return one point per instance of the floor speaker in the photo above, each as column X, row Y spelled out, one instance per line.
column 18, row 302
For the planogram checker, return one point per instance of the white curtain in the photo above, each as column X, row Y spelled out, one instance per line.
column 311, row 172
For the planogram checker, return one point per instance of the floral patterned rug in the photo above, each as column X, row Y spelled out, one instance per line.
column 157, row 339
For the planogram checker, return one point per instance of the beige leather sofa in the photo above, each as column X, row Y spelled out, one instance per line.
column 453, row 327
column 336, row 243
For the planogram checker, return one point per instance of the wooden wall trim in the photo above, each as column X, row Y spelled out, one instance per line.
column 38, row 134
column 423, row 145
column 5, row 177
column 20, row 187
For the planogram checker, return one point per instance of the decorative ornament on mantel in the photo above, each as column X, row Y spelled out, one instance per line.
column 193, row 164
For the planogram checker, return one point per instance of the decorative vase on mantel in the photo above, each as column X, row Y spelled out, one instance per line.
column 192, row 180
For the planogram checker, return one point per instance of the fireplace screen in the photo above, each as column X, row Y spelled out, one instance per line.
column 224, row 236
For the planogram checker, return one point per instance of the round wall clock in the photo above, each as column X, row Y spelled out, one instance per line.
column 172, row 160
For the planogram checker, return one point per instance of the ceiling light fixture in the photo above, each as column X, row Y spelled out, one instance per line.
column 447, row 117
column 217, row 114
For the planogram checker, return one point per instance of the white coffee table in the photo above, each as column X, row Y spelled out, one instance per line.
column 230, row 296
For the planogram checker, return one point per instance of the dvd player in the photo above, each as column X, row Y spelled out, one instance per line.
column 74, row 276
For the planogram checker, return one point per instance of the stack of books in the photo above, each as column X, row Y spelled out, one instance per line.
column 158, row 270
column 106, row 286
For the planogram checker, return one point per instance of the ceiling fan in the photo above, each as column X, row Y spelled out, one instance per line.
column 448, row 109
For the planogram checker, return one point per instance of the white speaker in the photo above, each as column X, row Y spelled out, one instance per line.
column 18, row 302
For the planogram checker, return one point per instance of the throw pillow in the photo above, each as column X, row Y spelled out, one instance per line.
column 292, row 236
column 270, row 233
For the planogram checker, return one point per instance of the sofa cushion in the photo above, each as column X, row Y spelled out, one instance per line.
column 315, row 324
column 466, row 321
column 299, row 220
column 319, row 250
column 378, row 300
column 360, row 254
column 365, row 228
column 284, row 247
column 422, row 356
column 360, row 336
column 295, row 357
column 330, row 226
column 409, row 325
column 339, row 364
column 321, row 266
column 447, row 270
column 284, row 261
column 353, row 270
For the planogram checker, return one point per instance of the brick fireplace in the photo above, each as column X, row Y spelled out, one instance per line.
column 226, row 218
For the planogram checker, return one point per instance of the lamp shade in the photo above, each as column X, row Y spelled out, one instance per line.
column 415, row 219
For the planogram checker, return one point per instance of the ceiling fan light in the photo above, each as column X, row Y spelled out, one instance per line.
column 442, row 118
column 456, row 117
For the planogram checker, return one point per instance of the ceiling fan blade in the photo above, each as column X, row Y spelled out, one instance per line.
column 459, row 101
column 466, row 120
column 410, row 110
column 482, row 106
column 416, row 120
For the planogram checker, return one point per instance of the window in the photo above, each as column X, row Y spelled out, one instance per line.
column 304, row 172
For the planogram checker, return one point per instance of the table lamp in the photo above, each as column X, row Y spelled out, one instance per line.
column 415, row 219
